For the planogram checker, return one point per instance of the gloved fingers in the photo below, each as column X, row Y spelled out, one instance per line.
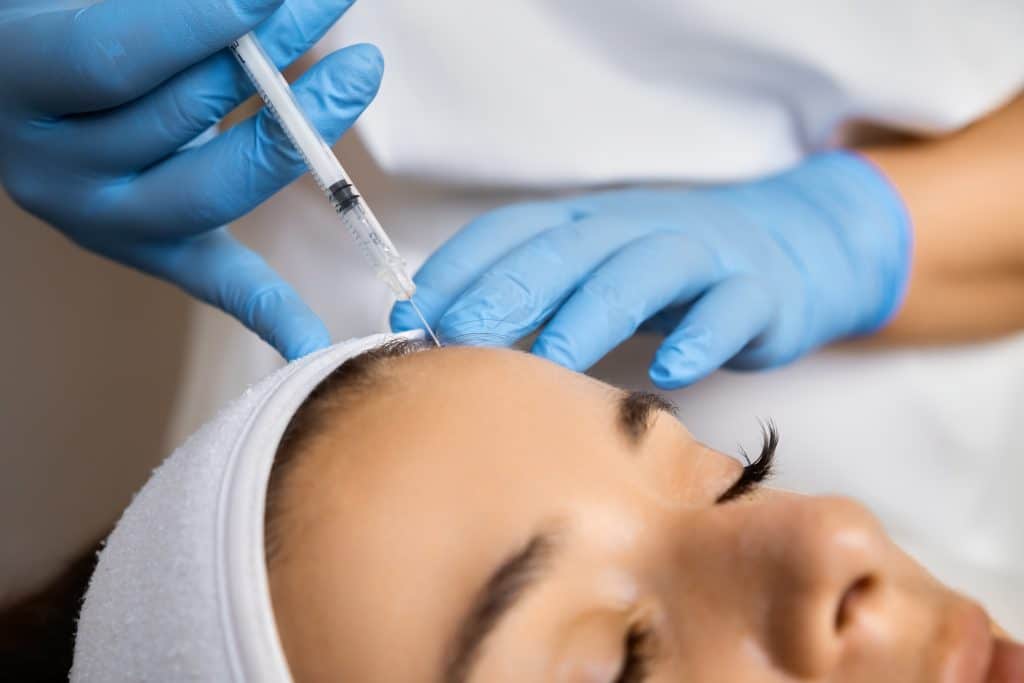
column 167, row 118
column 111, row 52
column 521, row 290
column 664, row 321
column 465, row 257
column 219, row 270
column 213, row 184
column 716, row 328
column 655, row 271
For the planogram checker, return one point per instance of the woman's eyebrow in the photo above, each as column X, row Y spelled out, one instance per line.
column 636, row 410
column 499, row 594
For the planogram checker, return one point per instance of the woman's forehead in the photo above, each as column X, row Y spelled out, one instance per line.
column 462, row 458
column 472, row 414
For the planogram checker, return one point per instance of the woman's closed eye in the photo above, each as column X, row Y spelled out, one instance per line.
column 638, row 642
column 755, row 471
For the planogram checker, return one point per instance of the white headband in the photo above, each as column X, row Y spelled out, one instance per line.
column 180, row 592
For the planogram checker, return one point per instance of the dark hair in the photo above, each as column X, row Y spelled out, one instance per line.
column 37, row 632
column 350, row 379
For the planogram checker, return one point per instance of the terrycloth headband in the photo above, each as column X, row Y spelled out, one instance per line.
column 180, row 592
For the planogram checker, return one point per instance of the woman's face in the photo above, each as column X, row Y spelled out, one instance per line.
column 487, row 516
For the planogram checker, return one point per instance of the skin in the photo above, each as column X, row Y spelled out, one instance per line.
column 967, row 277
column 397, row 515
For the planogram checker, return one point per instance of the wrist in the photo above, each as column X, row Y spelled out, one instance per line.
column 864, row 212
column 895, row 238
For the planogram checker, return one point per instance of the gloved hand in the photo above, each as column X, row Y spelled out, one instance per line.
column 750, row 275
column 97, row 103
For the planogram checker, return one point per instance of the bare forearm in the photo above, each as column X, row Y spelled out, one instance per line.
column 965, row 195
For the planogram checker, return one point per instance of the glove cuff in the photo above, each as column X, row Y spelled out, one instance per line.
column 871, row 223
column 897, row 240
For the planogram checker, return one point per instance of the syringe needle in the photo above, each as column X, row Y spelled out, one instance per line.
column 426, row 325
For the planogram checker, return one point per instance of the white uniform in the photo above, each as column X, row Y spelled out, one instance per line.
column 485, row 103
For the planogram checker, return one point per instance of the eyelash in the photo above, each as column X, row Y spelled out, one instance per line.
column 758, row 470
column 636, row 645
column 637, row 655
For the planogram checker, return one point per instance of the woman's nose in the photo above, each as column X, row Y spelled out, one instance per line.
column 824, row 579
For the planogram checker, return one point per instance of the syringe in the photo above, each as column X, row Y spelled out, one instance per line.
column 364, row 227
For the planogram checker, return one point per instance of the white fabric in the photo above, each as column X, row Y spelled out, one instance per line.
column 580, row 92
column 180, row 592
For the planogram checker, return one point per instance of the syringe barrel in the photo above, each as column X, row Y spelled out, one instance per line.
column 378, row 249
column 364, row 227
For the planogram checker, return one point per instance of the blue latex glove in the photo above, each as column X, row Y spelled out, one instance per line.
column 96, row 105
column 750, row 275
